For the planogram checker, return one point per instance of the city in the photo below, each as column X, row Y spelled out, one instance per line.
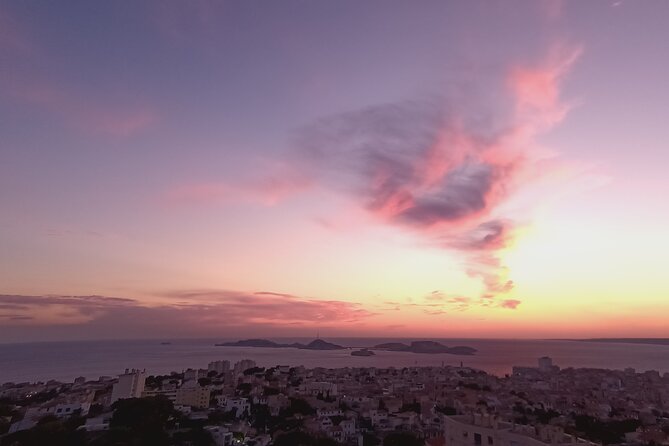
column 334, row 223
column 242, row 404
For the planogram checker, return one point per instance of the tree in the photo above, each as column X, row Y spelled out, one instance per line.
column 410, row 407
column 254, row 371
column 140, row 421
column 606, row 432
column 194, row 437
column 370, row 440
column 298, row 405
column 402, row 439
column 271, row 391
column 244, row 388
column 49, row 431
column 446, row 410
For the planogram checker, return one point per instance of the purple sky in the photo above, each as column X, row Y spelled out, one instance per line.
column 435, row 168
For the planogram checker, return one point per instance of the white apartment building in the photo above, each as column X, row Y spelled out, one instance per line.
column 319, row 387
column 329, row 412
column 242, row 365
column 220, row 435
column 240, row 405
column 130, row 385
column 219, row 367
column 488, row 430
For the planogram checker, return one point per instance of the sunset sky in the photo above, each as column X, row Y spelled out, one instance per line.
column 359, row 168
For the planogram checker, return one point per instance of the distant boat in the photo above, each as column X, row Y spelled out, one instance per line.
column 165, row 343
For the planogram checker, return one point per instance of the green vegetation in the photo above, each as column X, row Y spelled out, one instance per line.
column 49, row 431
column 410, row 407
column 298, row 405
column 402, row 439
column 446, row 410
column 607, row 432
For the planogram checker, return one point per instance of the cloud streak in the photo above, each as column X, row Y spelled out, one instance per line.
column 119, row 115
column 192, row 313
column 267, row 190
column 84, row 113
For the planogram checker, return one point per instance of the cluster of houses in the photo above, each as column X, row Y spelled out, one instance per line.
column 455, row 406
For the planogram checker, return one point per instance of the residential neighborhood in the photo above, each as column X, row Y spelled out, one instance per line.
column 228, row 404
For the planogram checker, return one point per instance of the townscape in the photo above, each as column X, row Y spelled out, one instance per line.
column 228, row 404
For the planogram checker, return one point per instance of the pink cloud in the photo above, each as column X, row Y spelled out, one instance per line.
column 536, row 89
column 122, row 120
column 511, row 304
column 438, row 303
column 439, row 170
column 187, row 23
column 13, row 39
column 27, row 85
column 195, row 312
column 269, row 190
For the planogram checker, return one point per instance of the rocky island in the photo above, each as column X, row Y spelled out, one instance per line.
column 427, row 347
column 362, row 352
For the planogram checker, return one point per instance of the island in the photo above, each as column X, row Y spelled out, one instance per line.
column 362, row 352
column 647, row 341
column 426, row 347
column 317, row 344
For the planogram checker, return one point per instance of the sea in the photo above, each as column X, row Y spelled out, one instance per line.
column 64, row 361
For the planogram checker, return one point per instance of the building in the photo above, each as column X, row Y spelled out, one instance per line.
column 545, row 364
column 170, row 394
column 240, row 406
column 130, row 385
column 194, row 374
column 242, row 365
column 195, row 396
column 319, row 388
column 96, row 424
column 221, row 435
column 219, row 367
column 488, row 430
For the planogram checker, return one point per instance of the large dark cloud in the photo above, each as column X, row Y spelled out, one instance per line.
column 412, row 163
column 427, row 167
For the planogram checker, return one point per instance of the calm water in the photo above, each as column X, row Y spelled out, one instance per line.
column 67, row 360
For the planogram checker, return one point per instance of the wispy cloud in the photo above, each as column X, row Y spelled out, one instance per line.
column 191, row 312
column 438, row 303
column 13, row 38
column 119, row 114
column 84, row 113
column 268, row 190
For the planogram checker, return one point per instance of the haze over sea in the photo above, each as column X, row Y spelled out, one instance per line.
column 67, row 360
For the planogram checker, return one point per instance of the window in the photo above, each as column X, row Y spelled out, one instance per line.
column 477, row 439
column 490, row 440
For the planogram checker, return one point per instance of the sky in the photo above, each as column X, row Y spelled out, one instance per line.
column 432, row 169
